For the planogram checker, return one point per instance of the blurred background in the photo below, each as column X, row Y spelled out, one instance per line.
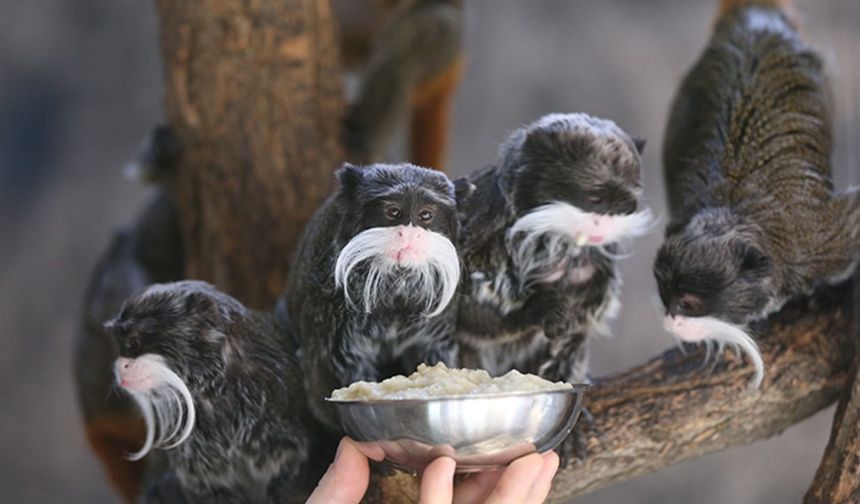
column 80, row 86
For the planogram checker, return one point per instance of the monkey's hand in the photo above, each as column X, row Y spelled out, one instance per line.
column 574, row 448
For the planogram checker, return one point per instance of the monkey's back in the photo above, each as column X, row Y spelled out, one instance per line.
column 750, row 127
column 254, row 433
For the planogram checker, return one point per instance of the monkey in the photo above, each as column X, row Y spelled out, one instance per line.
column 415, row 63
column 145, row 252
column 219, row 391
column 371, row 287
column 755, row 219
column 540, row 234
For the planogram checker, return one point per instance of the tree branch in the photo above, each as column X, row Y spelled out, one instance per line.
column 670, row 409
column 838, row 477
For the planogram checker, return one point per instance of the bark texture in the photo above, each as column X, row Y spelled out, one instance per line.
column 838, row 476
column 253, row 91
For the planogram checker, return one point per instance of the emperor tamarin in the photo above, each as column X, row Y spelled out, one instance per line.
column 755, row 217
column 147, row 251
column 218, row 390
column 370, row 291
column 540, row 235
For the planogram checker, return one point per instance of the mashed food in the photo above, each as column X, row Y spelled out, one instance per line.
column 440, row 381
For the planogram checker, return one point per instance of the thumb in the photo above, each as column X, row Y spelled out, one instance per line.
column 346, row 479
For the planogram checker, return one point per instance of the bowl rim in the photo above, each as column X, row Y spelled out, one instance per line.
column 577, row 388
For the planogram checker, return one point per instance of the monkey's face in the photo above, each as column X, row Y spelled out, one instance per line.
column 583, row 161
column 169, row 338
column 713, row 267
column 574, row 181
column 398, row 237
column 181, row 323
column 714, row 277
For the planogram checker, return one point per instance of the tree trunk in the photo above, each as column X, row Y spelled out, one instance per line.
column 253, row 91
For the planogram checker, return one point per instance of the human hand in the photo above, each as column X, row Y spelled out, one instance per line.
column 526, row 480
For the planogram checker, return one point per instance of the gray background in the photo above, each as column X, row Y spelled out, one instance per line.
column 80, row 85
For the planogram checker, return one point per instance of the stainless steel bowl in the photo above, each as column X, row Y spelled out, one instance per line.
column 481, row 433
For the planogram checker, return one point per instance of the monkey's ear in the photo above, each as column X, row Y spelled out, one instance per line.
column 463, row 188
column 675, row 226
column 540, row 140
column 639, row 142
column 350, row 177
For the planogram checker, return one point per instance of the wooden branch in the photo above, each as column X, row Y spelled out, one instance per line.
column 838, row 476
column 671, row 409
column 254, row 93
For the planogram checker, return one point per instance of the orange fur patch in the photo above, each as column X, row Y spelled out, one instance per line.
column 112, row 438
column 431, row 106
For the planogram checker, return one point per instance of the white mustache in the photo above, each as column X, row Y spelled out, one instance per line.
column 434, row 279
column 162, row 406
column 710, row 329
column 563, row 230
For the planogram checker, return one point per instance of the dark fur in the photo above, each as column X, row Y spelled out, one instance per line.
column 145, row 252
column 541, row 328
column 342, row 344
column 419, row 40
column 150, row 251
column 539, row 165
column 252, row 433
column 755, row 219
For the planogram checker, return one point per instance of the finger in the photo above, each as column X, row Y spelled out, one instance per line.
column 541, row 488
column 346, row 479
column 476, row 487
column 516, row 483
column 437, row 482
column 370, row 449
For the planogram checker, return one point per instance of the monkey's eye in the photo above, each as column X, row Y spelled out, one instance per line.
column 132, row 345
column 690, row 303
column 425, row 215
column 393, row 212
column 594, row 200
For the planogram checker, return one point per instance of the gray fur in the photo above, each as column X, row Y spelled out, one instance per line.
column 510, row 317
column 755, row 217
column 252, row 435
column 340, row 342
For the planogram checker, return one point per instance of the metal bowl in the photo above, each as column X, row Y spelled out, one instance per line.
column 483, row 432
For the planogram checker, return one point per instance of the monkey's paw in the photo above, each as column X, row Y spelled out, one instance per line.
column 574, row 448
